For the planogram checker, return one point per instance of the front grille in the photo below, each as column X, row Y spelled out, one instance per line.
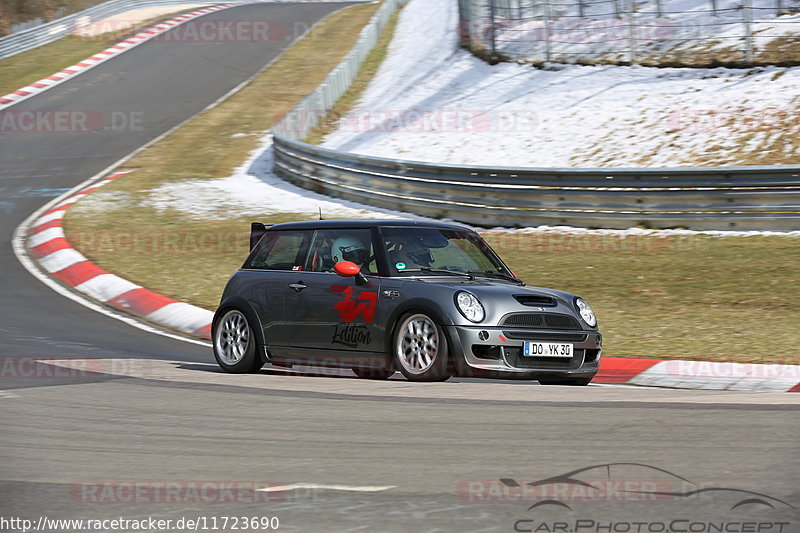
column 516, row 359
column 545, row 336
column 540, row 321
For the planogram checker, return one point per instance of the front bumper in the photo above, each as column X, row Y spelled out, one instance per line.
column 499, row 350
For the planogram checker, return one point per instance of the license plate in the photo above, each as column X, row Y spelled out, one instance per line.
column 546, row 349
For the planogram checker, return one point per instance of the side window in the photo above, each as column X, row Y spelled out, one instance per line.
column 279, row 250
column 331, row 246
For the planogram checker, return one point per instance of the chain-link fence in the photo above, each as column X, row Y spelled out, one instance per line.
column 647, row 32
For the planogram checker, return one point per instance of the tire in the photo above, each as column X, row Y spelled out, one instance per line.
column 373, row 373
column 581, row 382
column 419, row 348
column 235, row 344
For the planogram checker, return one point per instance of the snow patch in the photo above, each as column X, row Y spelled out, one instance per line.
column 433, row 102
column 254, row 191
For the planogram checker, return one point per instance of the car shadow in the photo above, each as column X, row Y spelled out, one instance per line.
column 343, row 373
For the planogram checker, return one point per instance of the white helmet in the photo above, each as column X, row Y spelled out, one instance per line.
column 349, row 249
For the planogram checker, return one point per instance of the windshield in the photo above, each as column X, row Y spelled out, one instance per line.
column 414, row 250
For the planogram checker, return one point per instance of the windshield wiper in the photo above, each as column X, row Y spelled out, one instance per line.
column 441, row 271
column 502, row 275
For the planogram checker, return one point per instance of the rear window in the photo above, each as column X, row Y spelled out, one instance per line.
column 279, row 250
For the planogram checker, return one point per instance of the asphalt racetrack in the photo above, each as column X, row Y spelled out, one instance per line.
column 121, row 423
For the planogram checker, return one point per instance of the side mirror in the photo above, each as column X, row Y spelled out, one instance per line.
column 348, row 269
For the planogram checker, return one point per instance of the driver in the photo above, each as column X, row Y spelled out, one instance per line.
column 411, row 252
column 349, row 249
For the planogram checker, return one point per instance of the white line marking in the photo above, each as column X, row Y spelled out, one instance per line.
column 6, row 394
column 313, row 486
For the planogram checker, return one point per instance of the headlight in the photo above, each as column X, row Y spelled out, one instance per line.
column 469, row 306
column 586, row 312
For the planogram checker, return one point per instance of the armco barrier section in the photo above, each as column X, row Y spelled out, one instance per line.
column 28, row 39
column 713, row 198
column 710, row 198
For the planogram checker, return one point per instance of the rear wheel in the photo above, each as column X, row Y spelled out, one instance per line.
column 420, row 349
column 582, row 382
column 235, row 345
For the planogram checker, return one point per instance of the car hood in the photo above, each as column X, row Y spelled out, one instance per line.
column 498, row 289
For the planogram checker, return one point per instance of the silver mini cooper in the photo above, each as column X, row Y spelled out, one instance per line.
column 428, row 299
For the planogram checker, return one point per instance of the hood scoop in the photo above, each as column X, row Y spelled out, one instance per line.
column 535, row 300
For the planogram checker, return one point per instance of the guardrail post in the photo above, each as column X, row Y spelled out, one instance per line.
column 747, row 19
column 492, row 29
column 548, row 22
column 629, row 15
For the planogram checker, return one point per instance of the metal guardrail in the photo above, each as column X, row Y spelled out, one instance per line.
column 25, row 40
column 713, row 198
column 306, row 115
column 704, row 198
column 28, row 39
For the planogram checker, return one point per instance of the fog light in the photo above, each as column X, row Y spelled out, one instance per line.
column 483, row 335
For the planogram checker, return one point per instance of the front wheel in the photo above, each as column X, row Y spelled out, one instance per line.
column 235, row 345
column 420, row 349
column 578, row 382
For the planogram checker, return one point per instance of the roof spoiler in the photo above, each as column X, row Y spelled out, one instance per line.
column 257, row 230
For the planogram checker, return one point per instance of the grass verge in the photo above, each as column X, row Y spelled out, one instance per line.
column 28, row 67
column 722, row 299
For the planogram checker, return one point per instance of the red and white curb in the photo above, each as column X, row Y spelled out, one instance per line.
column 48, row 244
column 679, row 374
column 101, row 57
